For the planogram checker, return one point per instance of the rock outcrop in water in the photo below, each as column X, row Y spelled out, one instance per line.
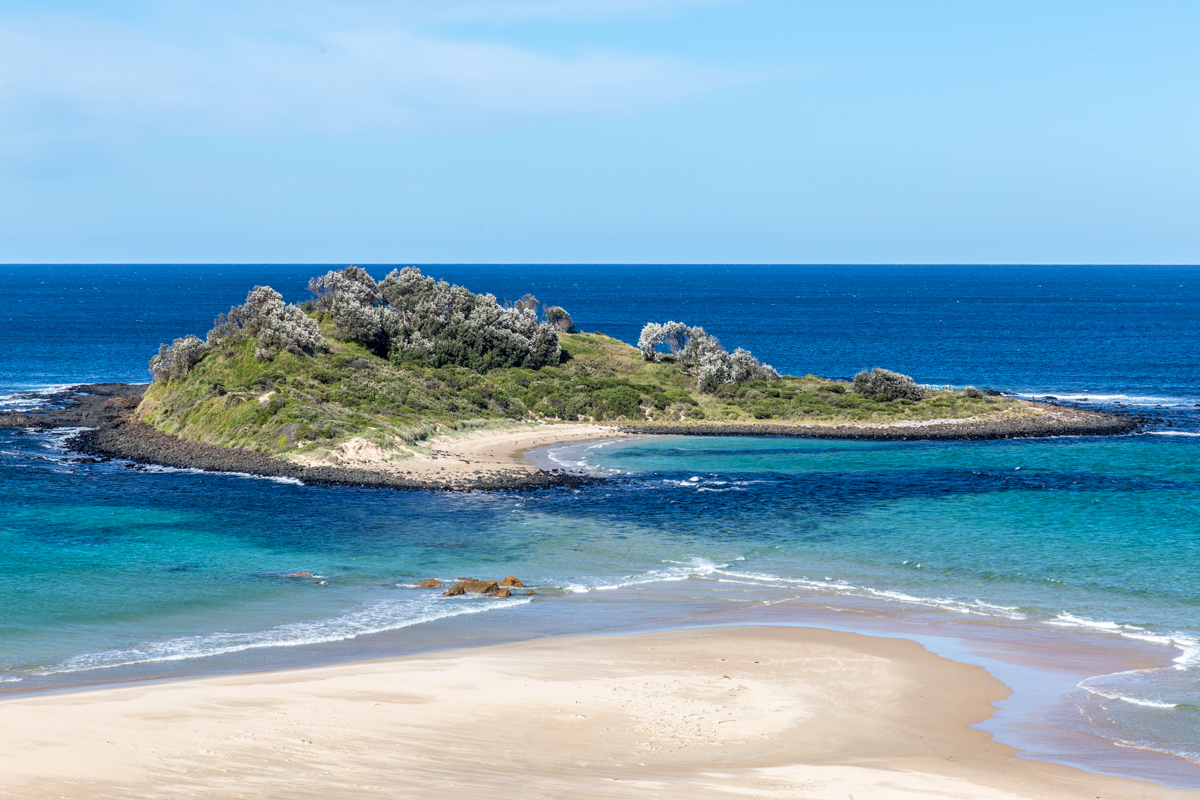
column 471, row 587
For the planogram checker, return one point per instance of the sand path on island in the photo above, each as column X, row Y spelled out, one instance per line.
column 705, row 713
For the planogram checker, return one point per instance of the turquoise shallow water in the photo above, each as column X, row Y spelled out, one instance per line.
column 110, row 569
column 1059, row 547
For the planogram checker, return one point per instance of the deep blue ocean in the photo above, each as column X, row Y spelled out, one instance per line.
column 1073, row 544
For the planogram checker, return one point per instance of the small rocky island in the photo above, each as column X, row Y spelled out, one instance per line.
column 371, row 383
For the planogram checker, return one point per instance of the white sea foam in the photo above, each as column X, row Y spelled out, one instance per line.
column 696, row 568
column 711, row 484
column 1127, row 399
column 57, row 440
column 843, row 588
column 575, row 456
column 1172, row 433
column 29, row 399
column 385, row 615
column 1186, row 755
column 1114, row 686
column 1135, row 701
column 160, row 469
column 1189, row 647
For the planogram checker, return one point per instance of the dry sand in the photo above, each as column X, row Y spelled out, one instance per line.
column 462, row 458
column 708, row 713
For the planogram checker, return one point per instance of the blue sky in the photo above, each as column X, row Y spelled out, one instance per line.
column 421, row 131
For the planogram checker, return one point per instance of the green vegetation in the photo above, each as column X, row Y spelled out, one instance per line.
column 298, row 403
column 395, row 362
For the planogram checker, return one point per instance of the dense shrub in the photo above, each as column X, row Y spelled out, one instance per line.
column 616, row 401
column 422, row 319
column 883, row 384
column 274, row 325
column 359, row 323
column 973, row 393
column 701, row 354
column 176, row 361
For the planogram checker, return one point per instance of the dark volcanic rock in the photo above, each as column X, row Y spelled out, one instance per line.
column 136, row 441
column 84, row 406
column 1063, row 422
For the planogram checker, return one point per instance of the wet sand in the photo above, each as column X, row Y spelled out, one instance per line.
column 711, row 712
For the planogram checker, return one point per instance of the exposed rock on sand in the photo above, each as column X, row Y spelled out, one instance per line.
column 471, row 587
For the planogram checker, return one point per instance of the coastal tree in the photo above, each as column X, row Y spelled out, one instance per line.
column 649, row 340
column 527, row 304
column 560, row 319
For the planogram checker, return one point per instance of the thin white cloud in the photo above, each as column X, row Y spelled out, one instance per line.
column 517, row 10
column 433, row 12
column 213, row 72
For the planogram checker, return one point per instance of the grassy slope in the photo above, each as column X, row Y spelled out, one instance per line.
column 297, row 404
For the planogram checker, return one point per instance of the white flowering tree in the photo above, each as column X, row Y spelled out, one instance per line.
column 699, row 353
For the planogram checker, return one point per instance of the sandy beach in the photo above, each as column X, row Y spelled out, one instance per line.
column 702, row 713
column 460, row 459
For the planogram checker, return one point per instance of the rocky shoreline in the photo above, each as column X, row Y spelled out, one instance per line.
column 138, row 442
column 1058, row 421
column 105, row 409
